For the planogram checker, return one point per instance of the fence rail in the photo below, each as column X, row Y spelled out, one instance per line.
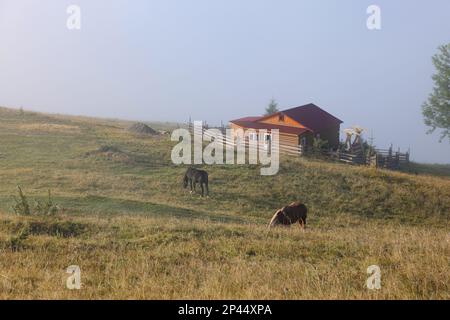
column 380, row 158
column 283, row 148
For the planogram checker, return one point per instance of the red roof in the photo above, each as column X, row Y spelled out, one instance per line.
column 246, row 119
column 267, row 126
column 312, row 117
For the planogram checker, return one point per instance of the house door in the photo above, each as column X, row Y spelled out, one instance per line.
column 302, row 142
column 267, row 141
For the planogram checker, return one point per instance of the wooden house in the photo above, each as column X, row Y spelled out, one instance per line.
column 297, row 126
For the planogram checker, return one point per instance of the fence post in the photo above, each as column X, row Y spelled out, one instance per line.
column 190, row 126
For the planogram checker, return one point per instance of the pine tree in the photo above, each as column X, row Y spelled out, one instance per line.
column 436, row 110
column 272, row 107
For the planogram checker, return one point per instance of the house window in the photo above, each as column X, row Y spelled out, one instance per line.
column 265, row 137
column 253, row 136
column 267, row 140
column 281, row 117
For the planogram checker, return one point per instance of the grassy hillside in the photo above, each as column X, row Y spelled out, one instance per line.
column 442, row 170
column 136, row 233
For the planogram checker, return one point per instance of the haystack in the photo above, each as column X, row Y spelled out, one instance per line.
column 142, row 129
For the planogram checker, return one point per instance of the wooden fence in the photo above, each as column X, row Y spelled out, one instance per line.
column 380, row 158
column 390, row 160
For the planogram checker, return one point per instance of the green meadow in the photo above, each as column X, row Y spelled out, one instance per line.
column 125, row 219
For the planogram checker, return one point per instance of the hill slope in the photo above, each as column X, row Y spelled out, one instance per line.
column 135, row 232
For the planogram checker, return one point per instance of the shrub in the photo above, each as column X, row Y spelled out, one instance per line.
column 319, row 148
column 47, row 207
column 21, row 206
column 43, row 208
column 319, row 144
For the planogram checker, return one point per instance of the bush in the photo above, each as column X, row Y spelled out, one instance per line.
column 43, row 208
column 319, row 148
column 47, row 207
column 21, row 206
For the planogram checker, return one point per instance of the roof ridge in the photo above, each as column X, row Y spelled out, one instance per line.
column 304, row 105
column 313, row 105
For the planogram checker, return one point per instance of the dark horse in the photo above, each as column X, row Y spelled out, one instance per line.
column 194, row 176
column 293, row 213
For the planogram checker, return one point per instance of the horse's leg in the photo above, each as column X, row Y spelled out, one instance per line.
column 207, row 189
column 190, row 182
column 203, row 189
column 301, row 224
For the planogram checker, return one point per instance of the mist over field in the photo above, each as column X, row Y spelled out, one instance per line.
column 221, row 60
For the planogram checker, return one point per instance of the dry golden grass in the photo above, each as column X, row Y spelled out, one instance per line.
column 49, row 127
column 123, row 257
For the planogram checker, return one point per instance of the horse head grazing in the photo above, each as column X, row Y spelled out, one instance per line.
column 277, row 218
column 296, row 212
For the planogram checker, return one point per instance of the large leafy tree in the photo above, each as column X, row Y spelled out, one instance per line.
column 272, row 107
column 436, row 110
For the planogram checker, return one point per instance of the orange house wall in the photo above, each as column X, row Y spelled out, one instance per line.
column 289, row 122
column 285, row 138
column 235, row 127
column 330, row 134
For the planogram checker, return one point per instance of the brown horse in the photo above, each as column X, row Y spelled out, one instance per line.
column 293, row 213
